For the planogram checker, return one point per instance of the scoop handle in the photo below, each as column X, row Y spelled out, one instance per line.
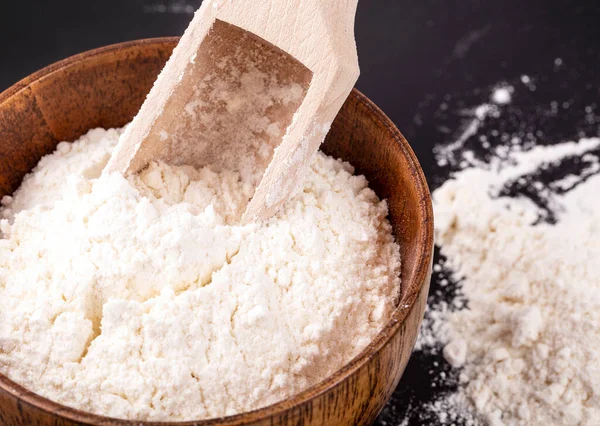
column 306, row 29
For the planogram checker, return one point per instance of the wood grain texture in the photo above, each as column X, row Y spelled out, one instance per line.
column 105, row 88
column 228, row 42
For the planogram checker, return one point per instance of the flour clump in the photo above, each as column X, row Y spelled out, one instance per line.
column 530, row 335
column 141, row 298
column 518, row 234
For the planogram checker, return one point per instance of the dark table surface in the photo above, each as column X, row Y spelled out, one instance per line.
column 415, row 56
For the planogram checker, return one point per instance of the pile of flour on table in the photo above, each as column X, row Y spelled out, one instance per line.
column 520, row 234
column 140, row 298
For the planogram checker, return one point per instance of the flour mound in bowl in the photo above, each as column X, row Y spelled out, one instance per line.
column 142, row 299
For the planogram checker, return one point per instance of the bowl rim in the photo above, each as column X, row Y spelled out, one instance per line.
column 399, row 315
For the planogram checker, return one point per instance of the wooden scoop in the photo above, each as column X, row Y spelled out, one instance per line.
column 253, row 86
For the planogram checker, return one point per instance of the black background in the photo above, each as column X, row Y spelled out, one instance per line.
column 414, row 56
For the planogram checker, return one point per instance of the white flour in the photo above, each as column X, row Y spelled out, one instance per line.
column 139, row 299
column 502, row 95
column 528, row 342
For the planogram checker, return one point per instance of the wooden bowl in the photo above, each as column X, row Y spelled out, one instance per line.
column 105, row 88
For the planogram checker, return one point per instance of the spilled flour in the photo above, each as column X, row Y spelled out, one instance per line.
column 530, row 338
column 519, row 233
column 139, row 298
